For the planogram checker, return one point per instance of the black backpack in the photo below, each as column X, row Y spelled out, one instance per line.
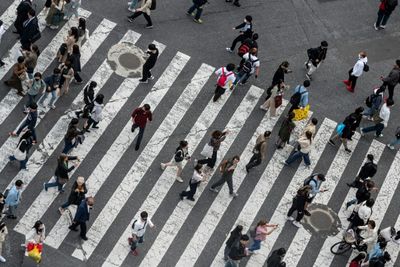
column 153, row 5
column 370, row 99
column 296, row 97
column 309, row 179
column 179, row 155
column 366, row 67
column 248, row 65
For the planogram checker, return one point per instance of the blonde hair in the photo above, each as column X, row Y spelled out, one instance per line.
column 80, row 180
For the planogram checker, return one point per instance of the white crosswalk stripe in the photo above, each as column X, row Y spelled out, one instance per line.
column 9, row 16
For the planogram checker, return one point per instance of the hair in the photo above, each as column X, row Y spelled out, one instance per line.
column 152, row 47
column 285, row 64
column 99, row 98
column 33, row 105
column 386, row 256
column 38, row 74
column 21, row 59
column 93, row 84
column 35, row 48
column 253, row 51
column 370, row 157
column 1, row 195
column 244, row 238
column 267, row 133
column 32, row 12
column 321, row 176
column 281, row 251
column 216, row 134
column 62, row 158
column 249, row 18
column 291, row 115
column 144, row 215
column 324, row 44
column 183, row 143
column 314, row 121
column 56, row 71
column 372, row 224
column 82, row 24
column 389, row 102
column 397, row 61
column 237, row 157
column 19, row 183
column 146, row 107
column 74, row 121
column 306, row 83
column 75, row 49
column 370, row 202
column 255, row 37
column 363, row 54
column 198, row 167
column 359, row 257
column 230, row 67
column 238, row 229
column 359, row 110
column 309, row 136
column 37, row 225
column 261, row 222
column 75, row 33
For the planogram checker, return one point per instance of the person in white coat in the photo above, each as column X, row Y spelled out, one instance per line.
column 357, row 71
column 36, row 235
column 3, row 234
column 96, row 113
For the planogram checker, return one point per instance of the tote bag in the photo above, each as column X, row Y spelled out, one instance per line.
column 18, row 154
column 207, row 151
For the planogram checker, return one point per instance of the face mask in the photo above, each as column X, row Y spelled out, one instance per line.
column 245, row 21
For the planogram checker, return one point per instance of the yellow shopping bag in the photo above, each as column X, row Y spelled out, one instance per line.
column 35, row 253
column 301, row 114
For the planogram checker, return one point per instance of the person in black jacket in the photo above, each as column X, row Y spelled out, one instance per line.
column 198, row 6
column 149, row 64
column 363, row 193
column 24, row 145
column 88, row 99
column 276, row 258
column 82, row 215
column 385, row 10
column 30, row 29
column 61, row 173
column 246, row 31
column 315, row 57
column 78, row 192
column 75, row 59
column 233, row 239
column 29, row 122
column 238, row 251
column 22, row 15
column 298, row 204
column 368, row 170
column 392, row 79
column 70, row 138
column 279, row 77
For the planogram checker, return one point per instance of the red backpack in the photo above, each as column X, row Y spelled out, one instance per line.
column 243, row 49
column 222, row 79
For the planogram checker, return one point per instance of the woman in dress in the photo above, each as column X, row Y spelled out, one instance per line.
column 54, row 15
column 18, row 75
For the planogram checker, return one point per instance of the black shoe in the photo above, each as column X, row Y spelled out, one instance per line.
column 84, row 238
column 95, row 127
column 191, row 199
column 137, row 148
column 307, row 213
column 2, row 63
column 236, row 4
column 87, row 130
column 347, row 150
column 143, row 81
column 247, row 169
column 78, row 114
column 130, row 20
column 351, row 185
column 73, row 229
column 180, row 196
column 12, row 217
column 331, row 143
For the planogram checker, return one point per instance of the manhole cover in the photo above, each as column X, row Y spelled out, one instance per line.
column 129, row 61
column 320, row 220
column 323, row 221
column 126, row 60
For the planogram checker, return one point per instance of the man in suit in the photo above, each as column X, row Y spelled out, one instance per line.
column 30, row 30
column 22, row 15
column 82, row 215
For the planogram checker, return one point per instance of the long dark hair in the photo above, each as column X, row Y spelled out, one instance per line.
column 25, row 136
column 37, row 225
column 75, row 33
column 82, row 24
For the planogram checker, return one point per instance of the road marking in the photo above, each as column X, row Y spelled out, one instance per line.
column 222, row 201
column 141, row 165
column 325, row 256
column 392, row 247
column 181, row 212
column 56, row 134
column 10, row 15
column 263, row 187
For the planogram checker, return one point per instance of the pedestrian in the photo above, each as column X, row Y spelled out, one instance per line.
column 377, row 251
column 22, row 15
column 300, row 97
column 226, row 168
column 132, row 5
column 30, row 31
column 52, row 88
column 259, row 150
column 88, row 99
column 367, row 171
column 251, row 65
column 304, row 143
column 83, row 32
column 261, row 233
column 271, row 103
column 374, row 102
column 13, row 199
column 145, row 9
column 363, row 193
column 152, row 51
column 72, row 9
column 225, row 80
column 29, row 122
column 73, row 137
column 386, row 8
column 18, row 76
column 381, row 120
column 392, row 79
column 358, row 260
column 276, row 258
column 217, row 137
column 238, row 251
column 3, row 234
column 368, row 234
column 37, row 234
column 138, row 230
column 78, row 192
column 234, row 238
column 315, row 57
column 285, row 131
column 198, row 5
column 245, row 31
column 140, row 117
column 31, row 57
column 315, row 181
column 67, row 73
column 2, row 31
column 66, row 48
column 194, row 182
column 311, row 127
column 96, row 115
column 380, row 261
column 298, row 204
column 279, row 77
column 346, row 130
column 235, row 3
column 181, row 153
column 361, row 214
column 395, row 141
column 389, row 234
column 61, row 174
column 55, row 14
column 248, row 44
column 356, row 71
column 82, row 216
column 75, row 59
column 22, row 150
column 2, row 204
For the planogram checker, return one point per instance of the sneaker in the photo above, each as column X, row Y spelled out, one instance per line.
column 190, row 14
column 285, row 163
column 130, row 20
column 143, row 81
column 376, row 28
column 190, row 198
column 234, row 194
column 308, row 76
column 382, row 27
column 195, row 161
column 263, row 108
column 53, row 107
column 44, row 187
column 307, row 213
column 151, row 77
column 347, row 150
column 13, row 217
column 297, row 224
column 379, row 135
column 199, row 21
column 84, row 238
column 131, row 9
column 149, row 27
column 179, row 179
column 2, row 259
column 361, row 131
column 180, row 196
column 60, row 210
column 290, row 218
column 214, row 190
column 348, row 88
column 229, row 50
column 73, row 229
column 346, row 82
column 306, row 65
column 389, row 146
column 162, row 165
column 236, row 4
column 331, row 142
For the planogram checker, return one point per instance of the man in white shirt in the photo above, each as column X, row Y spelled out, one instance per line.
column 381, row 121
column 356, row 71
column 251, row 64
column 138, row 230
column 2, row 31
column 226, row 77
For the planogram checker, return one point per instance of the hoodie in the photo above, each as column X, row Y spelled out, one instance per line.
column 358, row 68
column 96, row 114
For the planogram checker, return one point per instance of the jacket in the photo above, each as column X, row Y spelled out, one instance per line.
column 263, row 147
column 63, row 170
column 362, row 194
column 13, row 197
column 233, row 239
column 37, row 87
column 384, row 114
column 53, row 82
column 141, row 116
column 216, row 143
column 200, row 2
column 29, row 30
column 246, row 29
column 370, row 236
column 75, row 198
column 75, row 60
column 393, row 78
column 72, row 132
column 88, row 95
column 31, row 119
column 151, row 60
column 96, row 114
column 34, row 237
column 145, row 7
column 278, row 76
column 368, row 170
column 358, row 68
column 237, row 251
column 305, row 145
column 304, row 95
column 274, row 260
column 82, row 213
column 317, row 54
column 286, row 129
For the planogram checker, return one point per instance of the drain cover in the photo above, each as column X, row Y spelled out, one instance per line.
column 126, row 60
column 323, row 221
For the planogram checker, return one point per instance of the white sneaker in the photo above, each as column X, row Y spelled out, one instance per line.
column 179, row 179
column 290, row 218
column 2, row 259
column 297, row 224
column 53, row 107
column 162, row 166
column 234, row 194
column 361, row 131
column 376, row 28
column 229, row 50
column 263, row 108
column 380, row 135
column 131, row 9
column 389, row 146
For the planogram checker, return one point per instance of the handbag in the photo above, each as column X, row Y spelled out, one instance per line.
column 339, row 129
column 301, row 114
column 22, row 76
column 376, row 118
column 18, row 154
column 278, row 101
column 207, row 151
column 36, row 253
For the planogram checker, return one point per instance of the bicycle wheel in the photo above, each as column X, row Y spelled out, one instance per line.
column 340, row 247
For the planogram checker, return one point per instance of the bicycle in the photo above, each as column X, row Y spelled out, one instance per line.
column 349, row 241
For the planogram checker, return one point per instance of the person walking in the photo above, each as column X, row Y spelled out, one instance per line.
column 73, row 137
column 13, row 199
column 261, row 234
column 235, row 3
column 315, row 181
column 315, row 57
column 78, row 192
column 392, row 79
column 61, row 174
column 217, row 137
column 276, row 258
column 31, row 57
column 139, row 227
column 250, row 66
column 181, row 153
column 18, row 76
column 271, row 103
column 96, row 115
column 55, row 15
column 356, row 71
column 279, row 77
column 22, row 150
column 298, row 204
column 2, row 32
column 75, row 59
column 234, row 238
column 30, row 31
column 72, row 9
column 374, row 102
column 37, row 234
column 386, row 8
column 226, row 168
column 29, row 122
column 52, row 85
column 194, row 182
column 259, row 150
column 300, row 97
column 361, row 214
column 3, row 234
column 83, row 32
column 65, row 50
column 67, row 73
column 237, row 252
column 225, row 80
column 304, row 143
column 285, row 131
column 396, row 140
column 245, row 31
column 248, row 44
column 198, row 5
column 363, row 193
column 82, row 216
column 381, row 120
column 367, row 171
column 152, row 51
column 22, row 15
column 140, row 117
column 145, row 10
column 88, row 99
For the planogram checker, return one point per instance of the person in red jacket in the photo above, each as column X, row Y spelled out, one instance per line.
column 139, row 118
column 358, row 260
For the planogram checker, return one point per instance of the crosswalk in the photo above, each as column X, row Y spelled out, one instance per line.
column 201, row 241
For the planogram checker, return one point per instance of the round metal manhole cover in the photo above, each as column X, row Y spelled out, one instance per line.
column 129, row 61
column 126, row 59
column 323, row 221
column 320, row 220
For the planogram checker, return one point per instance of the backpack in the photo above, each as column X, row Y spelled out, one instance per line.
column 397, row 133
column 179, row 155
column 244, row 48
column 370, row 99
column 253, row 231
column 223, row 78
column 63, row 49
column 366, row 67
column 257, row 147
column 309, row 179
column 311, row 53
column 248, row 65
column 296, row 97
column 134, row 222
column 153, row 5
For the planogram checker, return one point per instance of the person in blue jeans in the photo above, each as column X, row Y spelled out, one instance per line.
column 381, row 121
column 261, row 234
column 198, row 6
column 78, row 192
column 304, row 151
column 61, row 173
column 70, row 138
column 52, row 84
column 29, row 122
